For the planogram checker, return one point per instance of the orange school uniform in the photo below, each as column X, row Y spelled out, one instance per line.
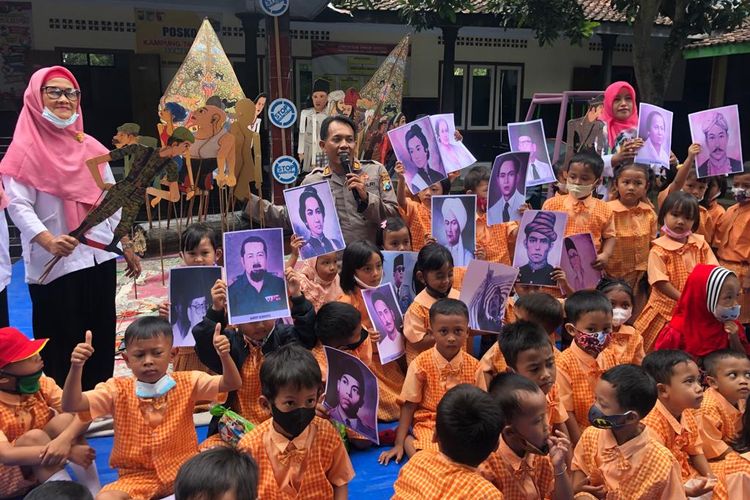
column 732, row 243
column 152, row 437
column 428, row 378
column 429, row 474
column 736, row 482
column 419, row 220
column 417, row 320
column 720, row 423
column 682, row 438
column 672, row 261
column 577, row 374
column 20, row 413
column 627, row 345
column 528, row 478
column 308, row 466
column 389, row 375
column 635, row 228
column 638, row 469
column 497, row 240
column 590, row 215
column 707, row 225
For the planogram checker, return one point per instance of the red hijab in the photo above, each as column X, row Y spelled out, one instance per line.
column 50, row 159
column 614, row 125
column 693, row 327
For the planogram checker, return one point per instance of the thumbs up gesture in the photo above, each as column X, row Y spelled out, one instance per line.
column 83, row 351
column 221, row 342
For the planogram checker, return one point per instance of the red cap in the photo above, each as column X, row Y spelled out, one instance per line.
column 15, row 346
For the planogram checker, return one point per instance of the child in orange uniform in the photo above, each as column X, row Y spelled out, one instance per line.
column 36, row 437
column 530, row 462
column 635, row 224
column 617, row 457
column 394, row 235
column 587, row 214
column 430, row 375
column 299, row 455
column 152, row 411
column 417, row 214
column 248, row 344
column 736, row 481
column 627, row 344
column 672, row 422
column 362, row 268
column 467, row 427
column 731, row 241
column 670, row 261
column 497, row 240
column 433, row 274
column 723, row 406
column 589, row 321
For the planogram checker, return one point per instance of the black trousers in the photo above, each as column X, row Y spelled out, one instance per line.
column 4, row 319
column 62, row 312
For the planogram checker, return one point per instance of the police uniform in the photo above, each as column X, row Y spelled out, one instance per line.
column 359, row 221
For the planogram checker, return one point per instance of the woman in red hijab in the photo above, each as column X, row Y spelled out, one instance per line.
column 51, row 190
column 705, row 318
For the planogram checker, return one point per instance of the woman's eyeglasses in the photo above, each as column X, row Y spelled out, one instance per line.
column 57, row 92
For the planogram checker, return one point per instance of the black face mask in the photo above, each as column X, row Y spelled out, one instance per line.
column 295, row 421
column 436, row 293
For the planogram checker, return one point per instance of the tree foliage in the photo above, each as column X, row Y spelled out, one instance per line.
column 549, row 19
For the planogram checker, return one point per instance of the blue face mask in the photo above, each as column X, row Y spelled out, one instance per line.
column 155, row 390
column 727, row 313
column 57, row 121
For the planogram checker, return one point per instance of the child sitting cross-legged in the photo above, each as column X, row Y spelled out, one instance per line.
column 299, row 455
column 152, row 411
column 430, row 375
column 530, row 462
column 467, row 427
column 617, row 457
column 673, row 421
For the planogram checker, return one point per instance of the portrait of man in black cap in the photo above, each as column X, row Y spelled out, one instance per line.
column 347, row 394
column 540, row 236
column 310, row 120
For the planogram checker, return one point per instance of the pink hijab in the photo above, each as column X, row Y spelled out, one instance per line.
column 317, row 291
column 50, row 159
column 614, row 125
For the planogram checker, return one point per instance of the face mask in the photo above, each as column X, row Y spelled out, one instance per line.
column 25, row 384
column 602, row 421
column 620, row 316
column 362, row 284
column 727, row 313
column 527, row 446
column 155, row 390
column 436, row 293
column 561, row 186
column 580, row 190
column 675, row 235
column 295, row 421
column 481, row 204
column 741, row 195
column 57, row 121
column 592, row 342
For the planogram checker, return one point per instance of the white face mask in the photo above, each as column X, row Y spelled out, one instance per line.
column 620, row 316
column 155, row 390
column 57, row 121
column 363, row 284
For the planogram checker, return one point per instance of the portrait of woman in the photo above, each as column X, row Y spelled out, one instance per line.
column 453, row 154
column 314, row 219
column 419, row 160
column 655, row 130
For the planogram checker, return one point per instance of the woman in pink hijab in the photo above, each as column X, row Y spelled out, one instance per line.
column 620, row 117
column 50, row 191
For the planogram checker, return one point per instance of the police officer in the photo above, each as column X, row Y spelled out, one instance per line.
column 359, row 215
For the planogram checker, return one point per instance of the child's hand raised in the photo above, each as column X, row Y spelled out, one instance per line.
column 694, row 150
column 429, row 239
column 294, row 284
column 480, row 254
column 400, row 170
column 164, row 309
column 296, row 243
column 219, row 295
column 221, row 342
column 82, row 351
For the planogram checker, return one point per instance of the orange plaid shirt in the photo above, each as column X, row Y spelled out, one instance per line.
column 682, row 438
column 390, row 377
column 529, row 478
column 417, row 320
column 627, row 345
column 308, row 466
column 736, row 483
column 732, row 243
column 636, row 227
column 419, row 220
column 641, row 468
column 429, row 474
column 590, row 215
column 249, row 393
column 497, row 240
column 720, row 422
column 20, row 413
column 577, row 374
column 671, row 261
column 428, row 378
column 155, row 436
